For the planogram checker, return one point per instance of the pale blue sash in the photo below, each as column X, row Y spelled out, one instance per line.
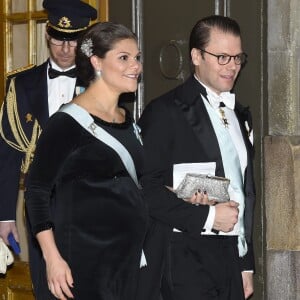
column 86, row 121
column 232, row 169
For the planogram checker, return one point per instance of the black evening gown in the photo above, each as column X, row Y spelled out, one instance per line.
column 79, row 186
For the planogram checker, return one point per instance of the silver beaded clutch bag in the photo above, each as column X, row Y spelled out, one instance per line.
column 216, row 187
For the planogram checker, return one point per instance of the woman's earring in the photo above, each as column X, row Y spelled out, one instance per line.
column 97, row 74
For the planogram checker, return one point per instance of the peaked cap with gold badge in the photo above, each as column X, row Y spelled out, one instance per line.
column 68, row 18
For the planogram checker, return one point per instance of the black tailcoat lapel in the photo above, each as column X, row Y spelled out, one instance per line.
column 189, row 99
column 244, row 116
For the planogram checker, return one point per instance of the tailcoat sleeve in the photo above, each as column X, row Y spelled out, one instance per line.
column 158, row 125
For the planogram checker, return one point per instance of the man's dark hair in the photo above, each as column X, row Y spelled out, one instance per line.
column 200, row 34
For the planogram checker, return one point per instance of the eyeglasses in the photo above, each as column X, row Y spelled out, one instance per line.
column 224, row 59
column 56, row 42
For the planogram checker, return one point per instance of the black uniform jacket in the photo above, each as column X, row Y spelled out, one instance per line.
column 176, row 128
column 23, row 115
column 30, row 101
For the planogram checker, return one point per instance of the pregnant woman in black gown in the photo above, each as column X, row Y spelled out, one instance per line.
column 84, row 208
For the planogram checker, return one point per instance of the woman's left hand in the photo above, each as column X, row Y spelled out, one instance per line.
column 200, row 198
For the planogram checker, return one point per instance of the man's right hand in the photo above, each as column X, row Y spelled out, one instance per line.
column 6, row 228
column 226, row 216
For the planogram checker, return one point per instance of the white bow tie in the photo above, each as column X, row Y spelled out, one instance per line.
column 227, row 98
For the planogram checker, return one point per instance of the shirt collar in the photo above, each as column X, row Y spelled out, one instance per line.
column 56, row 67
column 214, row 99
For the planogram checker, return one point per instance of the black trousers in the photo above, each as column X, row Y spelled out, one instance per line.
column 204, row 268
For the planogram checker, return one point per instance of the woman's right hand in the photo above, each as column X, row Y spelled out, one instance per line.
column 59, row 274
column 59, row 278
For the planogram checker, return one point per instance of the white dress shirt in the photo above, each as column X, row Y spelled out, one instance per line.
column 60, row 89
column 238, row 141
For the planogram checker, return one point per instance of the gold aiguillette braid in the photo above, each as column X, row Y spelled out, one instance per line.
column 22, row 143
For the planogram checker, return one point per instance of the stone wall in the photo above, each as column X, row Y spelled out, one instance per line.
column 282, row 152
column 282, row 188
column 282, row 206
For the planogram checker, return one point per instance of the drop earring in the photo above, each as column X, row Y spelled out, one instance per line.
column 97, row 74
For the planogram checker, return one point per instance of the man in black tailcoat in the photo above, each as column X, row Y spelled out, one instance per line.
column 195, row 250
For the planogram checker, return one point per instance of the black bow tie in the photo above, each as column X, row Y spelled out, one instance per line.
column 54, row 73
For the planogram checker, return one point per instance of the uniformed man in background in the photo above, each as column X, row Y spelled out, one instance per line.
column 33, row 94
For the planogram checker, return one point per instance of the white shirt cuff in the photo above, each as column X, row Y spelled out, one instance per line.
column 6, row 221
column 210, row 218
